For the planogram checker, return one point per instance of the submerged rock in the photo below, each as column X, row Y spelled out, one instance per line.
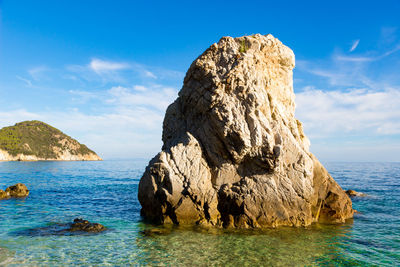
column 234, row 154
column 77, row 227
column 86, row 226
column 15, row 191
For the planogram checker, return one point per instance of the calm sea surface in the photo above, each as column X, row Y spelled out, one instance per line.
column 106, row 192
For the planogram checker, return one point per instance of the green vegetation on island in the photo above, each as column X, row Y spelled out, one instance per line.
column 39, row 139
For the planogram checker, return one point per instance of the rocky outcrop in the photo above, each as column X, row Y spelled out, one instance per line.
column 234, row 155
column 353, row 193
column 86, row 226
column 36, row 140
column 15, row 191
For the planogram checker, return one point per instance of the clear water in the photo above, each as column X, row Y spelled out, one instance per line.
column 106, row 192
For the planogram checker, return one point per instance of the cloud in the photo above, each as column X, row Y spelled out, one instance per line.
column 37, row 73
column 366, row 58
column 368, row 70
column 84, row 96
column 100, row 66
column 8, row 118
column 140, row 88
column 362, row 112
column 354, row 45
column 130, row 125
column 157, row 97
column 355, row 59
column 150, row 74
column 107, row 72
column 26, row 81
column 350, row 104
column 111, row 135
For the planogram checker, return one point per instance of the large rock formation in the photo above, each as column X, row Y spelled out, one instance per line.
column 36, row 140
column 233, row 153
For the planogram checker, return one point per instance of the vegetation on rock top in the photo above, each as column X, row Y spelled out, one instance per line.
column 39, row 139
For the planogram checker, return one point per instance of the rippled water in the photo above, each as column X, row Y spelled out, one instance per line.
column 106, row 192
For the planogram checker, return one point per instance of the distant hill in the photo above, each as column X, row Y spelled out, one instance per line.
column 36, row 140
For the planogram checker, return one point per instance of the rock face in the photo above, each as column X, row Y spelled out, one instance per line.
column 234, row 155
column 36, row 140
column 15, row 191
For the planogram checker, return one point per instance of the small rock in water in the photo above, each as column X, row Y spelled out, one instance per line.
column 86, row 226
column 15, row 191
column 352, row 193
column 18, row 190
column 3, row 195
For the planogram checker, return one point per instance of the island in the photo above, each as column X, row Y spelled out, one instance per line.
column 36, row 140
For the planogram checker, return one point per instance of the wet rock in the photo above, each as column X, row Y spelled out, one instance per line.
column 86, row 226
column 353, row 193
column 4, row 195
column 233, row 152
column 18, row 190
column 15, row 191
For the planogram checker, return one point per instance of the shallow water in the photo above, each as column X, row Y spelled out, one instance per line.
column 106, row 192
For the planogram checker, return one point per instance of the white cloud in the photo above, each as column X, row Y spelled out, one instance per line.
column 37, row 73
column 150, row 74
column 101, row 66
column 362, row 112
column 107, row 71
column 157, row 97
column 353, row 112
column 354, row 45
column 140, row 88
column 26, row 81
column 367, row 58
column 131, row 126
column 355, row 58
column 84, row 96
column 122, row 134
column 8, row 118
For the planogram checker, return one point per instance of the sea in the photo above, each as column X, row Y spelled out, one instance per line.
column 106, row 192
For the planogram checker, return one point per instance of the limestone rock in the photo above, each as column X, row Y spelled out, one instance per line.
column 234, row 154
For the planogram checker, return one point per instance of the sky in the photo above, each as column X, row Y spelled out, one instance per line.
column 104, row 72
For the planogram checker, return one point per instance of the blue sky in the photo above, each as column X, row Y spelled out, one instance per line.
column 105, row 71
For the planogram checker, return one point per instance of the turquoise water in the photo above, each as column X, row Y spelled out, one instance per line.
column 106, row 192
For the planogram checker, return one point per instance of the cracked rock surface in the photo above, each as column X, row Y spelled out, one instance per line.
column 234, row 155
